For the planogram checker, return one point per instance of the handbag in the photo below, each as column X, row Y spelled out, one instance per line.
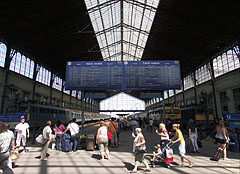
column 109, row 134
column 40, row 139
column 141, row 149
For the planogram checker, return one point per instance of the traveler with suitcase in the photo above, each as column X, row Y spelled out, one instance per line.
column 102, row 140
column 222, row 139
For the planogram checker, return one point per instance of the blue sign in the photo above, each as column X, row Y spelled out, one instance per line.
column 233, row 119
column 12, row 119
column 126, row 75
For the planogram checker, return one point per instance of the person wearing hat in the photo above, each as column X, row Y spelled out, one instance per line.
column 22, row 130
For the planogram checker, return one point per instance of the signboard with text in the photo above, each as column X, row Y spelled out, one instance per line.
column 126, row 75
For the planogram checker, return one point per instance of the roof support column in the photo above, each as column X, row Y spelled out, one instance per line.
column 183, row 92
column 70, row 99
column 76, row 100
column 121, row 30
column 174, row 94
column 62, row 94
column 51, row 84
column 8, row 59
column 36, row 70
column 195, row 86
column 213, row 90
column 163, row 106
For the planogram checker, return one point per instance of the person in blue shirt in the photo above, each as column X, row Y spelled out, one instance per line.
column 118, row 130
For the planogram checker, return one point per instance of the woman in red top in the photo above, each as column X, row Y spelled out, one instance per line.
column 164, row 137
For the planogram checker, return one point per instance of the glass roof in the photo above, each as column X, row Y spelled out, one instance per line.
column 122, row 35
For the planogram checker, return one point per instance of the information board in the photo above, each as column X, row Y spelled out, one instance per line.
column 126, row 75
column 94, row 75
column 152, row 75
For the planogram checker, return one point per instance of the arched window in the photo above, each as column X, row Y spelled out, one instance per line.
column 3, row 50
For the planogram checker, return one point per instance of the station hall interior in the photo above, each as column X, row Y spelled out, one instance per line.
column 38, row 38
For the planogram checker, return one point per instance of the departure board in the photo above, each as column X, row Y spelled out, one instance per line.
column 126, row 75
column 152, row 75
column 94, row 75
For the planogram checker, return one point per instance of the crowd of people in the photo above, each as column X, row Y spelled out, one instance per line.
column 108, row 136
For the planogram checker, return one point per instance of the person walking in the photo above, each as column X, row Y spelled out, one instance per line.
column 113, row 129
column 46, row 135
column 6, row 144
column 74, row 130
column 222, row 139
column 139, row 142
column 102, row 140
column 134, row 126
column 181, row 148
column 193, row 135
column 59, row 127
column 13, row 144
column 164, row 137
column 150, row 125
column 22, row 130
column 118, row 131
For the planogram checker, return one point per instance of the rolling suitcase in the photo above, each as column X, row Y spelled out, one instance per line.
column 66, row 145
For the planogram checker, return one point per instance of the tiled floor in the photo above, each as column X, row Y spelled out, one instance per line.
column 122, row 160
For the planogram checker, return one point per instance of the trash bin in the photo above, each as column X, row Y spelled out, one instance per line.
column 90, row 142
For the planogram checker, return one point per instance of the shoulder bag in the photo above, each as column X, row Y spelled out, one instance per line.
column 109, row 134
column 141, row 149
column 40, row 139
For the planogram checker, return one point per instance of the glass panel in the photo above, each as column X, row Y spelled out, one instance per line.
column 137, row 21
column 3, row 50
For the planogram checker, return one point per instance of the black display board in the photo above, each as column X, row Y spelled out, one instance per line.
column 126, row 75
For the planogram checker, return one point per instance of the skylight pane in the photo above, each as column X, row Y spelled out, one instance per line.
column 105, row 16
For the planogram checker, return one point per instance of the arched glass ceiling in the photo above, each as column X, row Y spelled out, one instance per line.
column 122, row 26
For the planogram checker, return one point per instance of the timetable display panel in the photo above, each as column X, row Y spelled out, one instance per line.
column 152, row 75
column 126, row 75
column 94, row 75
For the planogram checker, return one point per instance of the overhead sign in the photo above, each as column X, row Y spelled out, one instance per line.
column 233, row 119
column 95, row 95
column 150, row 94
column 126, row 75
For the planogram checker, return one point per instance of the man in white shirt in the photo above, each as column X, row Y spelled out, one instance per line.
column 74, row 130
column 22, row 130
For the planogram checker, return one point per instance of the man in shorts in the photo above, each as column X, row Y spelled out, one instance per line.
column 22, row 130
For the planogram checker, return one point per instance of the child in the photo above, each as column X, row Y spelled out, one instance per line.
column 158, row 155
